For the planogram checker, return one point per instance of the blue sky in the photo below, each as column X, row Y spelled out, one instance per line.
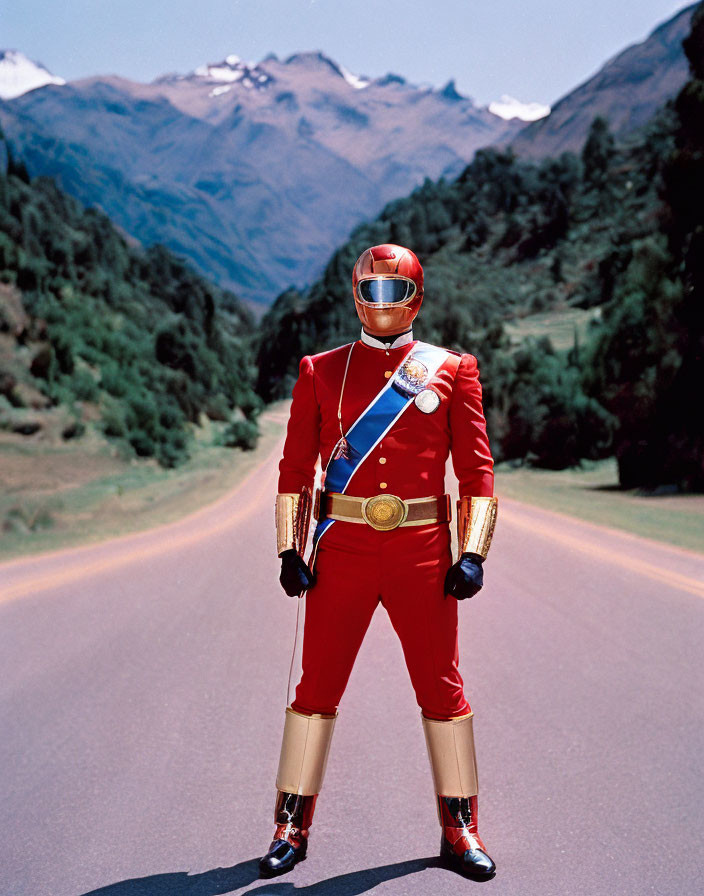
column 531, row 50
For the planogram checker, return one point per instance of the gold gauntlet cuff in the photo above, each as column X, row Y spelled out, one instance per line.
column 476, row 519
column 292, row 521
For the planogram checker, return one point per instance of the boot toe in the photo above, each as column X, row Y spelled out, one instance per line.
column 282, row 857
column 473, row 863
column 477, row 862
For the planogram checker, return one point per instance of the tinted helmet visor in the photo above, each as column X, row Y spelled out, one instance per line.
column 386, row 290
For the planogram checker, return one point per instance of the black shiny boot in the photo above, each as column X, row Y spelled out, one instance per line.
column 461, row 847
column 294, row 815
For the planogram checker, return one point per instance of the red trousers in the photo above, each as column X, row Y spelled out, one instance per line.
column 357, row 568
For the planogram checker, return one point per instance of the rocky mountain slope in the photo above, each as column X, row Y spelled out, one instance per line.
column 256, row 172
column 253, row 172
column 626, row 91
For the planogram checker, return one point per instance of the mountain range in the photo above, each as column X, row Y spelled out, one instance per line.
column 257, row 172
column 254, row 172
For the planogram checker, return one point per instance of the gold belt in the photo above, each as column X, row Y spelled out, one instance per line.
column 385, row 512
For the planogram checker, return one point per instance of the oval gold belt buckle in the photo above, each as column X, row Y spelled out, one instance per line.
column 384, row 512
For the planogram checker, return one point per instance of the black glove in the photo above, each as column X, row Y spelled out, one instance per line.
column 295, row 575
column 465, row 577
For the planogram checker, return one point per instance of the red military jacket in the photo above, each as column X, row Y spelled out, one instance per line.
column 410, row 459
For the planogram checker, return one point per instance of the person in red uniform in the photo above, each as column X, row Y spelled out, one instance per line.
column 383, row 414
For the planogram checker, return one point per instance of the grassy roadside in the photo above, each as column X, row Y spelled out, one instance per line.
column 591, row 493
column 57, row 496
column 61, row 495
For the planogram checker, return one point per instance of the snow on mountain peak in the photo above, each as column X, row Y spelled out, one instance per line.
column 232, row 69
column 357, row 81
column 315, row 58
column 18, row 75
column 509, row 107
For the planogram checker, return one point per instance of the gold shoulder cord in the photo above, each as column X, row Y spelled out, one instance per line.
column 476, row 519
column 342, row 447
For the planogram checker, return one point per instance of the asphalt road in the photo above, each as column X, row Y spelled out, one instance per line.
column 142, row 695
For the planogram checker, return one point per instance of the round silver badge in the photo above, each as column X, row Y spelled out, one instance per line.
column 427, row 401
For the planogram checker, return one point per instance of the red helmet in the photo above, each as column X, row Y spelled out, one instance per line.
column 388, row 289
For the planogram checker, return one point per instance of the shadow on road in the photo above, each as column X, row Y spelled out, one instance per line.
column 227, row 880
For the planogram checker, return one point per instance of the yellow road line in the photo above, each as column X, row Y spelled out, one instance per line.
column 602, row 529
column 161, row 527
column 83, row 568
column 651, row 570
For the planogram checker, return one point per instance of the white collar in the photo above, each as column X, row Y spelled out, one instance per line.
column 403, row 339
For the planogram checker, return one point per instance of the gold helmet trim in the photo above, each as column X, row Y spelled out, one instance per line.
column 400, row 304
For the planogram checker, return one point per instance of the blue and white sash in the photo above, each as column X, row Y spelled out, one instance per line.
column 410, row 378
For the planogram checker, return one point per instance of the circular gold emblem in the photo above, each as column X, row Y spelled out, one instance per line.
column 427, row 401
column 384, row 512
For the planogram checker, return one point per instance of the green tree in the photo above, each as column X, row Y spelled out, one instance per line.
column 649, row 359
column 635, row 360
column 598, row 150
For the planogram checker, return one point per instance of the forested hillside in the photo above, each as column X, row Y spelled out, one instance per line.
column 507, row 239
column 616, row 229
column 604, row 248
column 133, row 339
